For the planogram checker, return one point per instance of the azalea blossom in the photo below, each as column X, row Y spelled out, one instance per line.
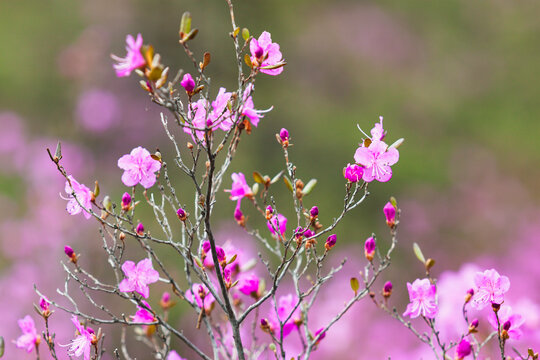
column 248, row 284
column 377, row 159
column 510, row 321
column 265, row 53
column 200, row 294
column 173, row 355
column 82, row 344
column 463, row 349
column 423, row 297
column 353, row 173
column 282, row 220
column 138, row 277
column 220, row 114
column 29, row 337
column 378, row 133
column 239, row 189
column 491, row 288
column 139, row 168
column 83, row 196
column 134, row 58
column 285, row 306
column 142, row 315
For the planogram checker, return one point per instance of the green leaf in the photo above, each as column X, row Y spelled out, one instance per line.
column 288, row 183
column 418, row 253
column 185, row 23
column 393, row 201
column 397, row 143
column 308, row 188
column 245, row 34
column 58, row 152
column 255, row 189
column 276, row 178
column 355, row 285
column 231, row 259
column 236, row 32
column 258, row 177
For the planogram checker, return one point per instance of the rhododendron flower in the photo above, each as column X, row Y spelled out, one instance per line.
column 491, row 288
column 209, row 260
column 248, row 108
column 200, row 294
column 83, row 196
column 265, row 53
column 285, row 307
column 510, row 321
column 82, row 344
column 248, row 284
column 134, row 58
column 188, row 83
column 353, row 172
column 197, row 116
column 138, row 277
column 463, row 349
column 423, row 297
column 378, row 133
column 173, row 355
column 142, row 315
column 220, row 114
column 239, row 188
column 282, row 220
column 139, row 168
column 29, row 335
column 377, row 159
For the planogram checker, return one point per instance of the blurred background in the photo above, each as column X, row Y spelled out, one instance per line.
column 458, row 80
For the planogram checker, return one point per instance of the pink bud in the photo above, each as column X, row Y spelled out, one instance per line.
column 284, row 134
column 188, row 83
column 330, row 242
column 140, row 229
column 206, row 247
column 463, row 349
column 126, row 201
column 353, row 172
column 390, row 214
column 181, row 214
column 314, row 212
column 369, row 248
column 44, row 304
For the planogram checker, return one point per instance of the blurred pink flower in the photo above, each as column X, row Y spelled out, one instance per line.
column 188, row 83
column 282, row 220
column 142, row 315
column 138, row 277
column 378, row 133
column 265, row 53
column 173, row 355
column 82, row 344
column 220, row 114
column 133, row 59
column 97, row 110
column 248, row 284
column 248, row 108
column 139, row 168
column 423, row 297
column 377, row 159
column 200, row 294
column 29, row 337
column 197, row 116
column 510, row 321
column 83, row 195
column 491, row 288
column 285, row 314
column 239, row 188
column 463, row 349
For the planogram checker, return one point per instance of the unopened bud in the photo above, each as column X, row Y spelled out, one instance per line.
column 495, row 307
column 269, row 212
column 122, row 236
column 390, row 214
column 473, row 325
column 387, row 289
column 314, row 212
column 469, row 295
column 140, row 229
column 126, row 202
column 369, row 248
column 70, row 254
column 284, row 137
column 330, row 242
column 181, row 213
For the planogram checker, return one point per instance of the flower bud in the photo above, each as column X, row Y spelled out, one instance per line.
column 69, row 251
column 284, row 137
column 239, row 215
column 330, row 242
column 369, row 248
column 322, row 336
column 188, row 83
column 473, row 325
column 166, row 302
column 126, row 202
column 314, row 212
column 122, row 236
column 353, row 173
column 507, row 324
column 463, row 349
column 387, row 289
column 44, row 306
column 140, row 229
column 265, row 326
column 469, row 295
column 269, row 212
column 495, row 307
column 390, row 214
column 181, row 214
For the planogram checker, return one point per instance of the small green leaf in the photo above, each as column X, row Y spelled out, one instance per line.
column 288, row 183
column 107, row 203
column 96, row 189
column 276, row 178
column 308, row 188
column 247, row 60
column 393, row 201
column 245, row 34
column 272, row 347
column 418, row 253
column 236, row 32
column 258, row 177
column 255, row 189
column 355, row 285
column 185, row 23
column 58, row 152
column 198, row 262
column 232, row 259
column 397, row 143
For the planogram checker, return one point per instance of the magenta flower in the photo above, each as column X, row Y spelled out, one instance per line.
column 248, row 284
column 377, row 159
column 29, row 335
column 390, row 214
column 463, row 349
column 200, row 294
column 138, row 277
column 282, row 220
column 83, row 195
column 239, row 188
column 423, row 297
column 208, row 260
column 266, row 54
column 285, row 307
column 220, row 113
column 139, row 168
column 369, row 248
column 330, row 241
column 133, row 59
column 491, row 288
column 188, row 83
column 173, row 355
column 248, row 108
column 510, row 321
column 44, row 304
column 142, row 315
column 198, row 119
column 353, row 172
column 82, row 344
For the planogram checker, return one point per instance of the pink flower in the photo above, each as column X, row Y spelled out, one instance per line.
column 285, row 308
column 173, row 355
column 378, row 133
column 509, row 321
column 353, row 172
column 138, row 277
column 83, row 195
column 220, row 114
column 423, row 297
column 200, row 294
column 491, row 288
column 197, row 117
column 248, row 284
column 29, row 337
column 239, row 188
column 265, row 53
column 282, row 220
column 377, row 159
column 133, row 59
column 248, row 108
column 82, row 344
column 390, row 214
column 188, row 83
column 139, row 167
column 142, row 315
column 463, row 349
